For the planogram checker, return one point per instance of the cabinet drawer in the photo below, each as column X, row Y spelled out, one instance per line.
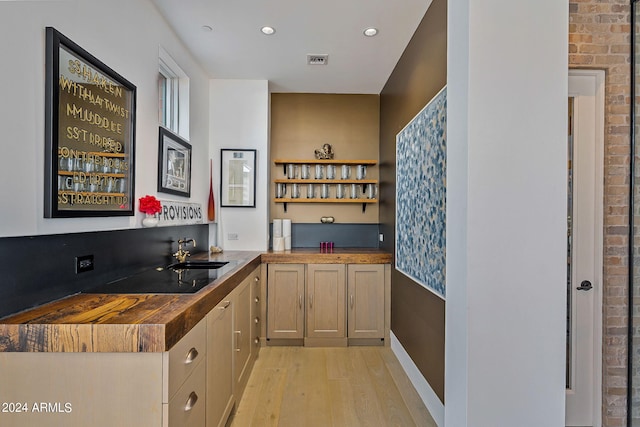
column 187, row 407
column 185, row 356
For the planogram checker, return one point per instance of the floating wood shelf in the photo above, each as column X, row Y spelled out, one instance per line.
column 311, row 162
column 326, row 181
column 325, row 162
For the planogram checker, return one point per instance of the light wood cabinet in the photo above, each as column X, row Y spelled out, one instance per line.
column 365, row 299
column 325, row 301
column 219, row 373
column 285, row 301
column 106, row 389
column 343, row 303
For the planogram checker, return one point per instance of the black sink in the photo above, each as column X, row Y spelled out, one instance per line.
column 180, row 278
column 203, row 265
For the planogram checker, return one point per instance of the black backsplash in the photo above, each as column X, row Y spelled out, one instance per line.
column 305, row 235
column 38, row 269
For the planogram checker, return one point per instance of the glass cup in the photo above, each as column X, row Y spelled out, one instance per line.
column 361, row 172
column 78, row 186
column 292, row 171
column 340, row 191
column 89, row 166
column 311, row 191
column 319, row 171
column 324, row 191
column 354, row 191
column 331, row 171
column 372, row 191
column 122, row 185
column 65, row 164
column 65, row 183
column 295, row 191
column 78, row 164
column 305, row 171
column 281, row 190
column 346, row 172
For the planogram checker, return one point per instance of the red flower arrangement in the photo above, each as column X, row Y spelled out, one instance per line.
column 150, row 205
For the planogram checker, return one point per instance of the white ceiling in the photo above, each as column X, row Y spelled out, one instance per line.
column 236, row 49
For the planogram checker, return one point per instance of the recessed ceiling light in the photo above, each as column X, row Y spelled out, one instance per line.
column 207, row 28
column 370, row 32
column 268, row 30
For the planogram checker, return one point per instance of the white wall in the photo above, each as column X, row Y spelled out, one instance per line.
column 239, row 119
column 125, row 35
column 506, row 213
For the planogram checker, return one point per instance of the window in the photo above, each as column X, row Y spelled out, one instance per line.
column 173, row 96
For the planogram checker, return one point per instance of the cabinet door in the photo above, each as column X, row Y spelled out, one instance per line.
column 219, row 364
column 326, row 301
column 285, row 301
column 242, row 332
column 366, row 300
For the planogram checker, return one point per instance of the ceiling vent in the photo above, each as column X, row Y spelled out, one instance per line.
column 317, row 59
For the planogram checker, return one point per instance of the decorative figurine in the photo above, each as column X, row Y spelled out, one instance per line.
column 324, row 153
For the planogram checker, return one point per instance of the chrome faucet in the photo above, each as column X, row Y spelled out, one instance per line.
column 182, row 254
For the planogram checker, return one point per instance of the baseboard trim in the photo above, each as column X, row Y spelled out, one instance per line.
column 426, row 393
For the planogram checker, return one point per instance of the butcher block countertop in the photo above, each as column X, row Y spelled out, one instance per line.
column 88, row 322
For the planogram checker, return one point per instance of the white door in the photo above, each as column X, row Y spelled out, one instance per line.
column 584, row 243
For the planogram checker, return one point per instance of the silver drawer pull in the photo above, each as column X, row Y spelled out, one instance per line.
column 238, row 338
column 191, row 401
column 300, row 300
column 351, row 301
column 256, row 340
column 191, row 356
column 225, row 305
column 257, row 279
column 257, row 300
column 257, row 320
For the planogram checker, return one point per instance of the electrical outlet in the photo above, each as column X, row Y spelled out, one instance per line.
column 84, row 263
column 381, row 237
column 232, row 236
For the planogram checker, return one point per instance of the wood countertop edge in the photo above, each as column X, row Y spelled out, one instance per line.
column 149, row 330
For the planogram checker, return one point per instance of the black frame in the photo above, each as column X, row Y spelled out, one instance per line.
column 224, row 177
column 94, row 115
column 180, row 183
column 631, row 248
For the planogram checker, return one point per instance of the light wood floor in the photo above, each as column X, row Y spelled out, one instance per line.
column 345, row 387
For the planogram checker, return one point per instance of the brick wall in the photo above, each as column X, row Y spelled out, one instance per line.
column 599, row 38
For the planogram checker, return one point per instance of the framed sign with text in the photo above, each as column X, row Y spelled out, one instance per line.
column 89, row 134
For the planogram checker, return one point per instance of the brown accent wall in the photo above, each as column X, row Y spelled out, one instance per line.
column 600, row 38
column 417, row 315
column 302, row 122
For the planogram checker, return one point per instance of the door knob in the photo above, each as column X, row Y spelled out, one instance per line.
column 585, row 285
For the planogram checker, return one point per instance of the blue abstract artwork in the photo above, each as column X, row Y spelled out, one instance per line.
column 421, row 167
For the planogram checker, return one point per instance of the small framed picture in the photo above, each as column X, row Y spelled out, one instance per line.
column 174, row 164
column 238, row 178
